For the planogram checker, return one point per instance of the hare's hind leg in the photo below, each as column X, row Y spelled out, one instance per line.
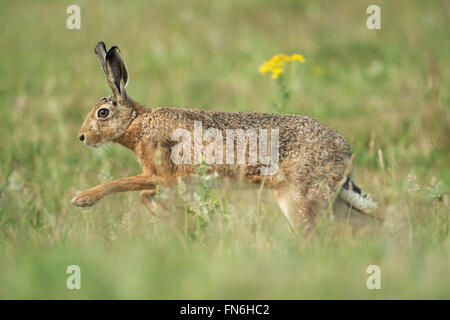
column 286, row 204
column 298, row 209
column 306, row 213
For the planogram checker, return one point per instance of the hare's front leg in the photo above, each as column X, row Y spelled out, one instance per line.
column 148, row 200
column 146, row 197
column 91, row 196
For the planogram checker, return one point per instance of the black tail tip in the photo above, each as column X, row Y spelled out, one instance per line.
column 355, row 188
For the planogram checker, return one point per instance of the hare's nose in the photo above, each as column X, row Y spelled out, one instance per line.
column 81, row 137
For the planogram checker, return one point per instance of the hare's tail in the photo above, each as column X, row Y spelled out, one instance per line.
column 355, row 197
column 353, row 205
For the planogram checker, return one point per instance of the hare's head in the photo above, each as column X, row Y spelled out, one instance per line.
column 111, row 116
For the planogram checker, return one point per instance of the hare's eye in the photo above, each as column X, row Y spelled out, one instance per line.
column 103, row 113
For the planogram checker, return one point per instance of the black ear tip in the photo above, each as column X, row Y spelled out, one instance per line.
column 113, row 51
column 114, row 48
column 101, row 44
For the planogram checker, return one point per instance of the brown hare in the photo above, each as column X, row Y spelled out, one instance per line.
column 312, row 165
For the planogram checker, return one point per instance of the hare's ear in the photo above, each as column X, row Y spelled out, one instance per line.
column 100, row 51
column 116, row 72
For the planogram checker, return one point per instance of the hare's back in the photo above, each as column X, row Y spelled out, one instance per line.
column 296, row 133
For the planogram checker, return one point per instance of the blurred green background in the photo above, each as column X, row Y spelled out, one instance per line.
column 385, row 90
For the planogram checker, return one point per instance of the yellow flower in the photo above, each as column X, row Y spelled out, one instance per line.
column 298, row 57
column 264, row 68
column 277, row 63
column 281, row 58
column 276, row 72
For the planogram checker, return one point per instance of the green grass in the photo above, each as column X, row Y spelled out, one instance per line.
column 383, row 90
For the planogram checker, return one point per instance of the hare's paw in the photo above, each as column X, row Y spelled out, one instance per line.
column 85, row 199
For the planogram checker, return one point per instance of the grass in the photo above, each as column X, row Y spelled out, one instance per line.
column 384, row 90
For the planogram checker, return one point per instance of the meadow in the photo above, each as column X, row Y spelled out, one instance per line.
column 385, row 90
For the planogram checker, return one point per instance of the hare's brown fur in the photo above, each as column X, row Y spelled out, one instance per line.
column 313, row 158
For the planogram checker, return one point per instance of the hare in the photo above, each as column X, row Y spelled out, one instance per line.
column 314, row 162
